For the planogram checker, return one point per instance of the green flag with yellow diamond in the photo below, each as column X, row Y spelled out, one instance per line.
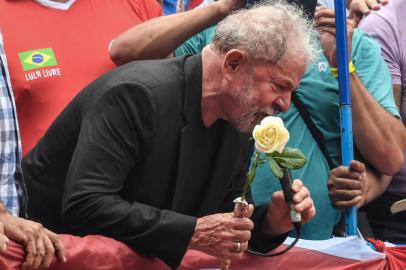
column 37, row 59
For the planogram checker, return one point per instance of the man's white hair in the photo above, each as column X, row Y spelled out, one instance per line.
column 267, row 31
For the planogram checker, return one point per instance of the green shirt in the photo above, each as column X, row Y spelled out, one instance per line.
column 318, row 92
column 196, row 43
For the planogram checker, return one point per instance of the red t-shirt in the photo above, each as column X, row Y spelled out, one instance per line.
column 53, row 54
column 194, row 3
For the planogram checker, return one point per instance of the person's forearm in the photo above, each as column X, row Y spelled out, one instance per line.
column 378, row 135
column 376, row 185
column 160, row 36
column 138, row 225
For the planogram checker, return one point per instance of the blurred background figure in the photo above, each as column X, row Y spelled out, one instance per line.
column 361, row 5
column 58, row 47
column 387, row 26
column 174, row 6
column 40, row 244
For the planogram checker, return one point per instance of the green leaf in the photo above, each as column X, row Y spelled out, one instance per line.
column 276, row 170
column 291, row 158
column 251, row 175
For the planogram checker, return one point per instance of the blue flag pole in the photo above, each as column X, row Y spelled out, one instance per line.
column 347, row 148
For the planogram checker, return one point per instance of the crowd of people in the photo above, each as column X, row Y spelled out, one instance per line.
column 137, row 126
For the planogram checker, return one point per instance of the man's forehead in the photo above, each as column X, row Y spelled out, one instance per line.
column 287, row 72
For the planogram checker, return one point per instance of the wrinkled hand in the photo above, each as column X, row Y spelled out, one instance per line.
column 40, row 243
column 218, row 235
column 3, row 240
column 347, row 185
column 278, row 217
column 365, row 6
column 325, row 25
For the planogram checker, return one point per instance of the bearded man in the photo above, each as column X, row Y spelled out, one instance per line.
column 154, row 152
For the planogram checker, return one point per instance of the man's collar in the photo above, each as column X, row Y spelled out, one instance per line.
column 193, row 86
column 56, row 5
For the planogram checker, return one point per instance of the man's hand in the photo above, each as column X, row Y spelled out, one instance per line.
column 3, row 240
column 230, row 5
column 278, row 218
column 222, row 235
column 365, row 6
column 325, row 25
column 347, row 186
column 40, row 244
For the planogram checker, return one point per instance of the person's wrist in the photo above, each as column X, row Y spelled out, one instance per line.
column 225, row 7
column 4, row 214
column 197, row 235
column 271, row 227
column 221, row 8
column 3, row 210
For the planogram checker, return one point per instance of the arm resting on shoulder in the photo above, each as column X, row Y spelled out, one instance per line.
column 159, row 37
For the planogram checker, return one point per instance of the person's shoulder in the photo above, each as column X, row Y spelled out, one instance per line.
column 389, row 11
column 154, row 79
column 160, row 78
column 157, row 68
column 388, row 15
column 208, row 33
column 359, row 35
column 363, row 43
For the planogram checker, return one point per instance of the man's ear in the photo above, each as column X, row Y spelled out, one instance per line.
column 234, row 61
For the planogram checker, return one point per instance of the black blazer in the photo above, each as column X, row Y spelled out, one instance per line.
column 131, row 159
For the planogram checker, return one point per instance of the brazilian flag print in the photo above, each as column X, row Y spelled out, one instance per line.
column 37, row 59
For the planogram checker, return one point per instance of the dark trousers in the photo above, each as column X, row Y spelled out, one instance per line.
column 385, row 225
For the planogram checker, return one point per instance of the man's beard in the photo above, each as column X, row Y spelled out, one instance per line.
column 249, row 113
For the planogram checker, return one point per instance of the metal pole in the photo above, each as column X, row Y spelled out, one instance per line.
column 347, row 148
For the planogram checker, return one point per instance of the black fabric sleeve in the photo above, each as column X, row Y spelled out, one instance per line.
column 259, row 242
column 113, row 139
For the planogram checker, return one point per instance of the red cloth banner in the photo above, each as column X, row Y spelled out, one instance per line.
column 98, row 252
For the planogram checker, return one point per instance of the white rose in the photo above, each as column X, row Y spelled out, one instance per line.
column 271, row 135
